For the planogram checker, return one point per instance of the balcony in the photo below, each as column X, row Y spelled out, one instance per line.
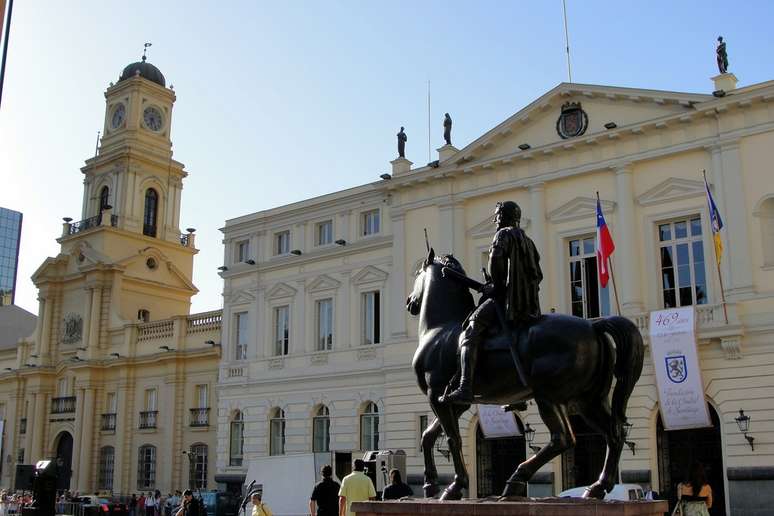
column 91, row 222
column 23, row 426
column 200, row 417
column 148, row 419
column 63, row 405
column 108, row 422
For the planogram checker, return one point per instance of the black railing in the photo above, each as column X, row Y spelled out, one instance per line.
column 184, row 239
column 149, row 230
column 23, row 426
column 200, row 416
column 148, row 419
column 108, row 421
column 91, row 222
column 63, row 405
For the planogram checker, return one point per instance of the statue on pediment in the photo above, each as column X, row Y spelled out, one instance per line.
column 447, row 126
column 402, row 139
column 722, row 55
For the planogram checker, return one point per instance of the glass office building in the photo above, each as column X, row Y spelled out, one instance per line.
column 10, row 236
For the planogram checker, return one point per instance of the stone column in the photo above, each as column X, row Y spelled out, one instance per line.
column 259, row 324
column 298, row 340
column 736, row 264
column 37, row 427
column 92, row 344
column 86, row 446
column 397, row 278
column 626, row 250
column 537, row 201
column 45, row 328
column 87, row 311
column 452, row 230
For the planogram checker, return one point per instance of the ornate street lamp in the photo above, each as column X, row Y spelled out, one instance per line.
column 743, row 422
column 529, row 436
column 631, row 444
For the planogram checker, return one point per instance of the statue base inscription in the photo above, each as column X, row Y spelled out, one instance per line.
column 523, row 507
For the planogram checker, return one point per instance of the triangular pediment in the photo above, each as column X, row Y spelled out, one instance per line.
column 537, row 123
column 241, row 297
column 486, row 228
column 672, row 189
column 580, row 208
column 369, row 274
column 280, row 290
column 150, row 265
column 323, row 282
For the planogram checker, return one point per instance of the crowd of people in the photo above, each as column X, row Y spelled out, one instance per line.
column 12, row 503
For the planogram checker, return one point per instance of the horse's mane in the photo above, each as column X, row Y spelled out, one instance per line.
column 448, row 260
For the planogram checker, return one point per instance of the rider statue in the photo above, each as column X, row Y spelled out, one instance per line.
column 509, row 298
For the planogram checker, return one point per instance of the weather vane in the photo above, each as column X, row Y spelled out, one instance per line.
column 145, row 49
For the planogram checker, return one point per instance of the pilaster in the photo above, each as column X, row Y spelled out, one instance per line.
column 37, row 427
column 628, row 255
column 298, row 340
column 398, row 277
column 86, row 444
column 537, row 198
column 452, row 229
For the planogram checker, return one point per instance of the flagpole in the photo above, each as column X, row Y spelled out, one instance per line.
column 715, row 253
column 615, row 289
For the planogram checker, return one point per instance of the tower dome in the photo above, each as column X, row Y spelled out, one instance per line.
column 145, row 70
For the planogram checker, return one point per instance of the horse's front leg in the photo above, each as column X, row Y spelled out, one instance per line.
column 449, row 414
column 429, row 437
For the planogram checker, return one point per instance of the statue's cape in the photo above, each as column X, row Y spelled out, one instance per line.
column 524, row 274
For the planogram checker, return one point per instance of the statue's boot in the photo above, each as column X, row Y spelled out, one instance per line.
column 463, row 395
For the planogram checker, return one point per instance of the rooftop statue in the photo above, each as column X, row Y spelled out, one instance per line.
column 402, row 139
column 722, row 56
column 511, row 353
column 447, row 126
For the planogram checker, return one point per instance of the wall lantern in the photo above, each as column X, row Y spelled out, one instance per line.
column 743, row 422
column 529, row 436
column 626, row 429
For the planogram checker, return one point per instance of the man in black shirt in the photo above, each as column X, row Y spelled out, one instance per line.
column 325, row 496
column 397, row 489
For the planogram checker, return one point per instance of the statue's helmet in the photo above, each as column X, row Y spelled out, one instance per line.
column 509, row 211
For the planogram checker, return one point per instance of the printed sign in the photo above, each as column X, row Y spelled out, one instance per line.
column 676, row 364
column 495, row 423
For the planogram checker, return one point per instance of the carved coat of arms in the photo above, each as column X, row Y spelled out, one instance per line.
column 72, row 329
column 676, row 368
column 573, row 121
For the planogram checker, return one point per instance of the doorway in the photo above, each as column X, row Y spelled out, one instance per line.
column 496, row 460
column 582, row 465
column 678, row 449
column 64, row 460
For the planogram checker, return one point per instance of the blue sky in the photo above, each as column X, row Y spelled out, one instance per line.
column 281, row 101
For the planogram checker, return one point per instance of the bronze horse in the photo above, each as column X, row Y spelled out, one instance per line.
column 568, row 362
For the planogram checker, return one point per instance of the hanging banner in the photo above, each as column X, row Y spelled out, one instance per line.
column 495, row 423
column 676, row 364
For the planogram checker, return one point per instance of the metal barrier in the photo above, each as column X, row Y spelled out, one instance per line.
column 71, row 508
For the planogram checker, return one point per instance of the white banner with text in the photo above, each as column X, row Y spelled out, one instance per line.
column 676, row 364
column 495, row 423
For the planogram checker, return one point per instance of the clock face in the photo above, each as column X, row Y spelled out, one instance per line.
column 153, row 118
column 119, row 115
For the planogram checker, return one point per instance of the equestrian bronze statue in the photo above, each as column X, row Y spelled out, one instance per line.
column 511, row 353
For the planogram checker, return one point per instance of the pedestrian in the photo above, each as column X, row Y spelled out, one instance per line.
column 157, row 503
column 133, row 505
column 397, row 489
column 141, row 504
column 150, row 505
column 356, row 487
column 259, row 508
column 694, row 496
column 191, row 506
column 325, row 495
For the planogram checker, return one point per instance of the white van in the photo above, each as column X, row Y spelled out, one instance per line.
column 620, row 492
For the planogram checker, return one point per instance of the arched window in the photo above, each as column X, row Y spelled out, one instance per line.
column 277, row 432
column 104, row 198
column 198, row 462
column 321, row 429
column 106, row 463
column 236, row 439
column 151, row 213
column 143, row 315
column 369, row 427
column 146, row 467
column 765, row 213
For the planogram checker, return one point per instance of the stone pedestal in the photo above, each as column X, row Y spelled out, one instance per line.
column 725, row 81
column 446, row 152
column 528, row 507
column 400, row 166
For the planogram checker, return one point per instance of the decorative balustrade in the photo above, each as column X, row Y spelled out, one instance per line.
column 63, row 405
column 206, row 321
column 91, row 222
column 707, row 316
column 156, row 330
column 148, row 419
column 108, row 422
column 200, row 416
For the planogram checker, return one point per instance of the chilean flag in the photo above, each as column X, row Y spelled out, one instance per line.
column 605, row 246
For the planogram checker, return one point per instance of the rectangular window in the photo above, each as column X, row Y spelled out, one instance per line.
column 281, row 330
column 587, row 297
column 277, row 436
column 111, row 403
column 237, row 443
column 282, row 242
column 324, row 232
column 325, row 324
column 369, row 432
column 106, row 466
column 321, row 434
column 20, row 456
column 243, row 250
column 202, row 395
column 146, row 468
column 370, row 315
column 151, row 399
column 240, row 347
column 681, row 255
column 370, row 222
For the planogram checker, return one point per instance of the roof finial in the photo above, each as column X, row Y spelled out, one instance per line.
column 144, row 50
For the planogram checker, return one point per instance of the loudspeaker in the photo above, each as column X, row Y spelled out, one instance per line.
column 24, row 476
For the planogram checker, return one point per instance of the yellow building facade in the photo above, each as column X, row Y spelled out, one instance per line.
column 318, row 344
column 117, row 380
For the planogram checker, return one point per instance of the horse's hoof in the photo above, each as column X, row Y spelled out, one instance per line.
column 431, row 490
column 516, row 488
column 595, row 490
column 451, row 493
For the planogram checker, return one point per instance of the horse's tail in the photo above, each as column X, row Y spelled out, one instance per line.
column 628, row 362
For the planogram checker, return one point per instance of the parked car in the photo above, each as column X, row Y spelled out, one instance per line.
column 620, row 492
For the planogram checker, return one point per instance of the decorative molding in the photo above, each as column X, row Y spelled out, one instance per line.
column 369, row 274
column 240, row 296
column 580, row 208
column 732, row 347
column 319, row 358
column 486, row 228
column 281, row 290
column 276, row 363
column 366, row 353
column 323, row 282
column 672, row 189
